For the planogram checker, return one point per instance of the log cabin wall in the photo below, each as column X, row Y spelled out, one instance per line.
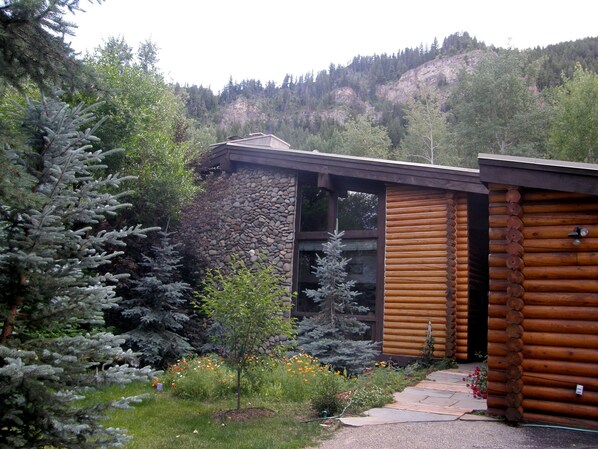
column 426, row 274
column 543, row 306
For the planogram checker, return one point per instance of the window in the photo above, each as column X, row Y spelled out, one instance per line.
column 308, row 252
column 354, row 206
column 362, row 269
column 314, row 209
column 358, row 211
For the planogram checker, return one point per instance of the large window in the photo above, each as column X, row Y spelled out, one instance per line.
column 362, row 268
column 355, row 210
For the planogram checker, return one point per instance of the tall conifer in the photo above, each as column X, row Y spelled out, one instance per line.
column 32, row 44
column 156, row 307
column 332, row 334
column 55, row 284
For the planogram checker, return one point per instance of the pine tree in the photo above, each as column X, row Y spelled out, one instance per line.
column 55, row 252
column 158, row 297
column 331, row 334
column 32, row 43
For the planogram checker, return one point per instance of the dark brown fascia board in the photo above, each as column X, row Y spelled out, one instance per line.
column 433, row 176
column 539, row 173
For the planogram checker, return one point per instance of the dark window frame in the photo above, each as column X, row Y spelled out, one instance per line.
column 341, row 185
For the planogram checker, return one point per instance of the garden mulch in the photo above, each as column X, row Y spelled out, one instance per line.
column 243, row 414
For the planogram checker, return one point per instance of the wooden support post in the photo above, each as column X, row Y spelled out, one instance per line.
column 325, row 181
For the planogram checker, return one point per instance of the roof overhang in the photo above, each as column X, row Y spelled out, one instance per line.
column 227, row 154
column 539, row 173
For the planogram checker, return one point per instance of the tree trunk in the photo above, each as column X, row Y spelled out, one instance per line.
column 239, row 388
column 13, row 311
column 9, row 324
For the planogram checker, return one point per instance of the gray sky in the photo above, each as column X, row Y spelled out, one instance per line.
column 207, row 42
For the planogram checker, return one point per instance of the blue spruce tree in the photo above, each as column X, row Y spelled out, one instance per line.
column 332, row 334
column 156, row 307
column 55, row 284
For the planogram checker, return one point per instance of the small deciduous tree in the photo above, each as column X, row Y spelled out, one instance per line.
column 331, row 335
column 156, row 305
column 55, row 250
column 427, row 138
column 251, row 308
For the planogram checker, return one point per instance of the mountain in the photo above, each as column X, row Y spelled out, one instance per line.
column 379, row 86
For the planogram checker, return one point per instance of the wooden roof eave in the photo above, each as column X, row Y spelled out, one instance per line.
column 447, row 178
column 539, row 173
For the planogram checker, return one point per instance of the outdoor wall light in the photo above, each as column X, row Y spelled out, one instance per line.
column 577, row 234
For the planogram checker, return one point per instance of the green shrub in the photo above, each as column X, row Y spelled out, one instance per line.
column 445, row 364
column 302, row 375
column 294, row 379
column 327, row 400
column 376, row 386
column 369, row 396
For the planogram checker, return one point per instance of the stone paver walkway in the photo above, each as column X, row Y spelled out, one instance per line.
column 443, row 396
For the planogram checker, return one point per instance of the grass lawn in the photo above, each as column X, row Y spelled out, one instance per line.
column 165, row 422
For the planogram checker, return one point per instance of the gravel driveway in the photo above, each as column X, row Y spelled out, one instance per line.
column 458, row 435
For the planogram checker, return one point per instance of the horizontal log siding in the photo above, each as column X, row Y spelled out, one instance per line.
column 561, row 309
column 559, row 330
column 416, row 269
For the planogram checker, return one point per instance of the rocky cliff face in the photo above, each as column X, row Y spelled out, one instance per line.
column 241, row 111
column 439, row 74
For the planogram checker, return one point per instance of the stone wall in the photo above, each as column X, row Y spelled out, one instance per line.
column 253, row 214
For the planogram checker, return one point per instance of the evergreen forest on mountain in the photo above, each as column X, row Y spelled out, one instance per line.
column 397, row 110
